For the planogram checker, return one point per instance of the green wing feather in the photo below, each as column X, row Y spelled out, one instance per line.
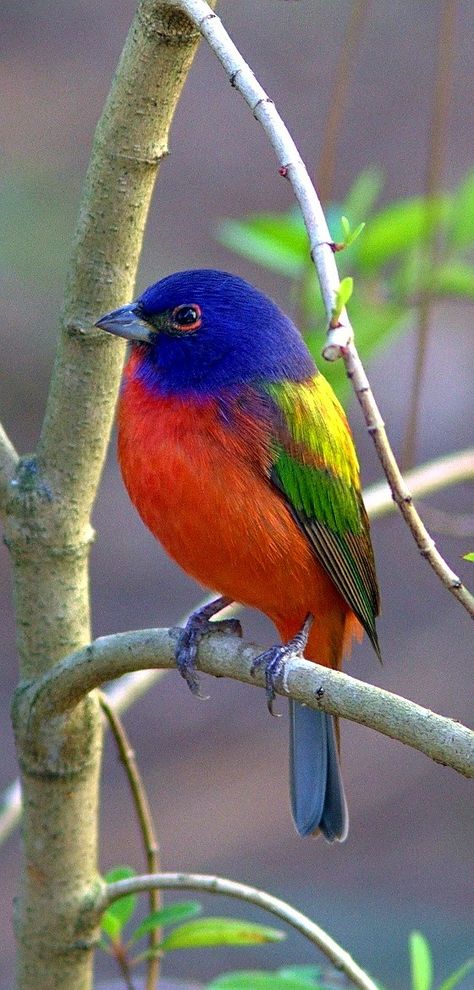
column 315, row 467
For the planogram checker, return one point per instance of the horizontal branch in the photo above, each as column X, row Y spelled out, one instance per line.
column 339, row 957
column 423, row 480
column 340, row 337
column 8, row 465
column 60, row 689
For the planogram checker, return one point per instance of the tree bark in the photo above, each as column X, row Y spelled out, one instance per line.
column 48, row 505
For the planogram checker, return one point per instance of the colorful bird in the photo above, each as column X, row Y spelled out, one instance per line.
column 239, row 459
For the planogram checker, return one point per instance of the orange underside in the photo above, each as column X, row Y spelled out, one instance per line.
column 202, row 490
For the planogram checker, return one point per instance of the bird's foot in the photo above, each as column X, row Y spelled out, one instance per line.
column 197, row 626
column 274, row 660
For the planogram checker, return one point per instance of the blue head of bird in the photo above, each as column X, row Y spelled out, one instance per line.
column 200, row 332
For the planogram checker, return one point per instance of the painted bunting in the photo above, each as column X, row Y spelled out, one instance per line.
column 239, row 459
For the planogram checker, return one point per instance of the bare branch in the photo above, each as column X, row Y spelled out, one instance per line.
column 61, row 688
column 145, row 820
column 339, row 957
column 8, row 464
column 340, row 338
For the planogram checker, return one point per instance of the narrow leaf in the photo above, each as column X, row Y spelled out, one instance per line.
column 420, row 962
column 343, row 295
column 469, row 556
column 117, row 915
column 166, row 916
column 219, row 931
column 355, row 233
column 452, row 981
column 461, row 232
column 257, row 980
column 346, row 227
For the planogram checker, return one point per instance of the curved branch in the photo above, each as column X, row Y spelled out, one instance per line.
column 340, row 337
column 61, row 688
column 339, row 957
column 8, row 464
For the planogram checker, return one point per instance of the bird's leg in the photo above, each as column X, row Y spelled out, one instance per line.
column 274, row 659
column 196, row 627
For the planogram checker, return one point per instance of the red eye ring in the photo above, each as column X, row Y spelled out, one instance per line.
column 186, row 318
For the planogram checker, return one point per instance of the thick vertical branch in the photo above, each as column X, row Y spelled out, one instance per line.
column 48, row 529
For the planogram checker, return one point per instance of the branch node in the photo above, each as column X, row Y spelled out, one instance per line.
column 260, row 102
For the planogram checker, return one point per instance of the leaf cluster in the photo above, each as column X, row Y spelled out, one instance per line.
column 386, row 256
column 187, row 930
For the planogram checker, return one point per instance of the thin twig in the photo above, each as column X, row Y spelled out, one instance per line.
column 339, row 341
column 339, row 957
column 145, row 820
column 61, row 688
column 431, row 248
column 8, row 464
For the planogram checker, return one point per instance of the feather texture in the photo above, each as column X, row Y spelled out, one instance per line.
column 315, row 467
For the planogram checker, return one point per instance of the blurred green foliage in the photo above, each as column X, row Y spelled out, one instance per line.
column 386, row 260
column 312, row 978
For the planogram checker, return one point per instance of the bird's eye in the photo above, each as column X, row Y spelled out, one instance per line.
column 186, row 318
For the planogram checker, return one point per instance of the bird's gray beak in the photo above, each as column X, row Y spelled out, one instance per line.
column 126, row 322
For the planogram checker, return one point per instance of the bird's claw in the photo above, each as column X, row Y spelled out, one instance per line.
column 198, row 626
column 274, row 661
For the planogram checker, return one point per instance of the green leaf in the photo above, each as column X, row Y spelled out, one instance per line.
column 452, row 981
column 355, row 233
column 398, row 227
column 363, row 193
column 469, row 556
column 456, row 278
column 258, row 980
column 420, row 962
column 219, row 931
column 166, row 916
column 275, row 241
column 343, row 295
column 461, row 231
column 346, row 227
column 116, row 917
column 375, row 325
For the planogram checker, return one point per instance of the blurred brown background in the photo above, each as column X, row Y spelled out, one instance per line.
column 216, row 772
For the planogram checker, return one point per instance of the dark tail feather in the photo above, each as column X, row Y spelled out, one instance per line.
column 317, row 793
